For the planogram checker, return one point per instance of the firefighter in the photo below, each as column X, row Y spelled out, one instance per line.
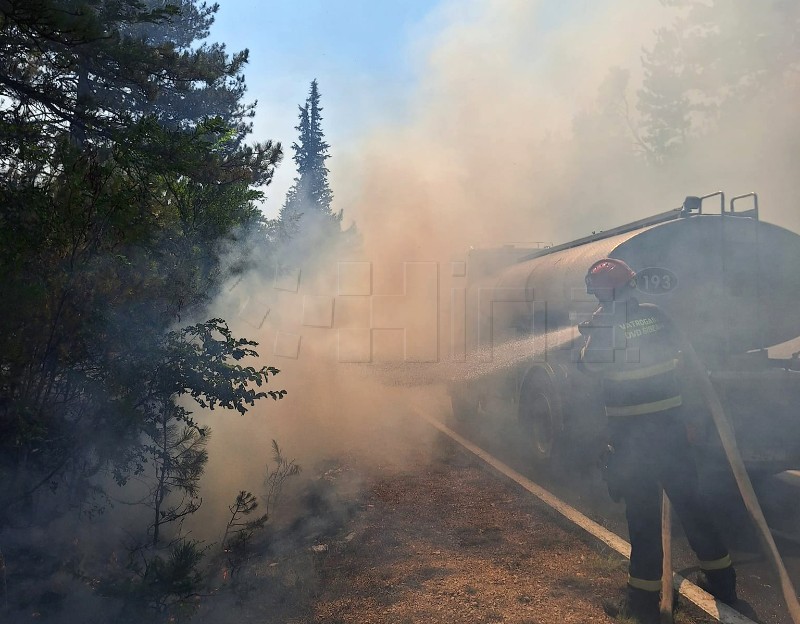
column 635, row 349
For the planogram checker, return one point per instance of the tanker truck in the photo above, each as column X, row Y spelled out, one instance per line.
column 729, row 281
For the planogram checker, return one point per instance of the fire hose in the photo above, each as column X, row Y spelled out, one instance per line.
column 726, row 434
column 667, row 597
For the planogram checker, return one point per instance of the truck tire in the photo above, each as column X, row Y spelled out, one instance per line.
column 540, row 418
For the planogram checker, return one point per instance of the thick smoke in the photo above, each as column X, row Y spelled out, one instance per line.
column 520, row 133
column 524, row 127
column 490, row 156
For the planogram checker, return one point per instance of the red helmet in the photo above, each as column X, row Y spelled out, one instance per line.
column 609, row 273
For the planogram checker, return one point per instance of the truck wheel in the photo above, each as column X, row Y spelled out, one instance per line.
column 540, row 419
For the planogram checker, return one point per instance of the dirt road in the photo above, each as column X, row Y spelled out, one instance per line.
column 450, row 542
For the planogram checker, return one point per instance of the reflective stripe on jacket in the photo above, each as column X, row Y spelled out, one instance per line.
column 634, row 350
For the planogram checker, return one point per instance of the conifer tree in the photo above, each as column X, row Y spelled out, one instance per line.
column 307, row 212
column 114, row 209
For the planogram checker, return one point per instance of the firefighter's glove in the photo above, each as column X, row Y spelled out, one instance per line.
column 612, row 472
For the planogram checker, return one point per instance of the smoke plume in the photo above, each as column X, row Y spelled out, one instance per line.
column 525, row 127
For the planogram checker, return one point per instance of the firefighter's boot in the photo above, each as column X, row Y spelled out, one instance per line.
column 639, row 605
column 722, row 585
column 719, row 583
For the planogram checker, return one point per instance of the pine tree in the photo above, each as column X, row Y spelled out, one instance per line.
column 114, row 210
column 219, row 86
column 307, row 212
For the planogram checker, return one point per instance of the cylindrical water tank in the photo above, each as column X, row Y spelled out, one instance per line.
column 737, row 283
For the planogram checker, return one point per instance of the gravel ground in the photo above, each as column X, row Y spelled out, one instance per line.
column 450, row 542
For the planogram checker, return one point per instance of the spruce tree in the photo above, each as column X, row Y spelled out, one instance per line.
column 307, row 213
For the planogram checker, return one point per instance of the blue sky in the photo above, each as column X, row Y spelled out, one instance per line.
column 312, row 35
column 364, row 53
column 361, row 52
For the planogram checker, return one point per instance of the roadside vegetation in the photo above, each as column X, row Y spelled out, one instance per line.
column 127, row 174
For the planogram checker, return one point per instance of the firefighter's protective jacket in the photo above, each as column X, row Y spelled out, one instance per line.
column 634, row 348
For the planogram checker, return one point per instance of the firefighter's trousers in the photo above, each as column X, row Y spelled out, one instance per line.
column 651, row 452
